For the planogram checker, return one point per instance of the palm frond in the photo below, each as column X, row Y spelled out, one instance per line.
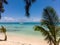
column 41, row 29
column 27, row 7
column 33, row 1
column 45, row 33
column 50, row 27
column 50, row 15
column 49, row 38
column 50, row 20
column 5, row 2
column 57, row 31
column 28, row 4
column 58, row 40
column 3, row 29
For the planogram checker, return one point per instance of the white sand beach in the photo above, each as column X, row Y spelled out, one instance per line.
column 22, row 40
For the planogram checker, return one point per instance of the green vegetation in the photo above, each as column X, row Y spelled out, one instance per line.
column 3, row 30
column 28, row 5
column 2, row 7
column 50, row 21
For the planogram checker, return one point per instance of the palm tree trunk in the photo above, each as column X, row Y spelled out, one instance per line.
column 50, row 43
column 57, row 42
column 5, row 37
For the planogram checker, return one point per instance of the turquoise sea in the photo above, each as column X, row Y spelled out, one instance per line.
column 25, row 28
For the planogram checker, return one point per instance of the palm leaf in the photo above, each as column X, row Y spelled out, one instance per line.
column 28, row 4
column 58, row 40
column 5, row 2
column 50, row 27
column 41, row 29
column 50, row 20
column 57, row 31
column 45, row 33
column 33, row 1
column 49, row 38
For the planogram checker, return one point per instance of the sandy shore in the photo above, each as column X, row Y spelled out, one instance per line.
column 22, row 40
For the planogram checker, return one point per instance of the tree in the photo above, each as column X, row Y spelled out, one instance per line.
column 28, row 5
column 1, row 6
column 3, row 30
column 50, row 21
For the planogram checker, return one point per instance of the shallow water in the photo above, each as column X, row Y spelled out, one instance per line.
column 22, row 28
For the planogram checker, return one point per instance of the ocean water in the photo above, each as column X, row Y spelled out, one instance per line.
column 25, row 28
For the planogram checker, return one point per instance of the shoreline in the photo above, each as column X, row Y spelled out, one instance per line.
column 22, row 40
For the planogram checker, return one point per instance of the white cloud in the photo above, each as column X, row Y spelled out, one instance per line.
column 8, row 19
column 11, row 19
column 30, row 19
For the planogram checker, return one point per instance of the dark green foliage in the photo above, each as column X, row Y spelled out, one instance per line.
column 51, row 21
column 1, row 6
column 50, row 15
column 3, row 30
column 5, row 2
column 28, row 5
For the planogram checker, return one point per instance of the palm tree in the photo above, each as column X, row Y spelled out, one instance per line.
column 50, row 21
column 1, row 6
column 28, row 5
column 3, row 30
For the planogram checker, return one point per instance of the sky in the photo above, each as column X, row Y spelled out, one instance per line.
column 15, row 12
